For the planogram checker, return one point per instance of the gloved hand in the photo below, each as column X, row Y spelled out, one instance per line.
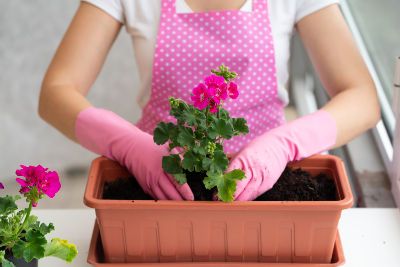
column 103, row 132
column 266, row 156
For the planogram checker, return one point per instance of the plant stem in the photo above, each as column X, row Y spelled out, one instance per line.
column 26, row 219
column 184, row 151
column 183, row 102
column 207, row 111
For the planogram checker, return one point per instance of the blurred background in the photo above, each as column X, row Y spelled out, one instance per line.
column 30, row 32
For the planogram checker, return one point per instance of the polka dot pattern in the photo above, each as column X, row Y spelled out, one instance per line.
column 190, row 44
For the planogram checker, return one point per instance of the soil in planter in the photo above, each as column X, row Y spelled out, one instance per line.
column 195, row 182
column 297, row 185
column 124, row 189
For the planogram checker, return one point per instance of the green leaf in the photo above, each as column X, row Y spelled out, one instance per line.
column 32, row 248
column 3, row 261
column 189, row 160
column 18, row 249
column 185, row 136
column 206, row 162
column 198, row 166
column 45, row 229
column 218, row 164
column 239, row 126
column 7, row 263
column 200, row 149
column 7, row 204
column 173, row 136
column 225, row 183
column 180, row 178
column 224, row 114
column 221, row 128
column 172, row 164
column 194, row 117
column 162, row 132
column 177, row 112
column 235, row 174
column 32, row 223
column 212, row 117
column 199, row 133
column 219, row 147
column 61, row 249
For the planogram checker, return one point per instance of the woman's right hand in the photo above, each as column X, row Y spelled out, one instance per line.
column 74, row 68
column 105, row 133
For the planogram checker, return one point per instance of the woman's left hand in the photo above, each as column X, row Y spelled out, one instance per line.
column 266, row 156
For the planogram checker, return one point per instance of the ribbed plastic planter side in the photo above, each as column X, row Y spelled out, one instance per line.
column 186, row 231
column 96, row 258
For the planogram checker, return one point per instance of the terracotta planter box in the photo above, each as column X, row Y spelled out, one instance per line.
column 186, row 231
column 96, row 258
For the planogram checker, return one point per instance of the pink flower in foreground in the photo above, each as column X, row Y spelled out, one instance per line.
column 200, row 96
column 1, row 186
column 214, row 102
column 232, row 90
column 46, row 182
column 213, row 82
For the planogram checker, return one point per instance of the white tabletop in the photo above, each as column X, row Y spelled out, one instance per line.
column 370, row 237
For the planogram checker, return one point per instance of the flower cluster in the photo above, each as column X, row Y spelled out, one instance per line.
column 22, row 233
column 38, row 181
column 213, row 92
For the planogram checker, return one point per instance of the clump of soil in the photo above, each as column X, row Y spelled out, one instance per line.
column 297, row 185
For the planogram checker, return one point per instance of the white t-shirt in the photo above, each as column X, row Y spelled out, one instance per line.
column 142, row 18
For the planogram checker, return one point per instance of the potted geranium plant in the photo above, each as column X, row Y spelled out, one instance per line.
column 213, row 231
column 22, row 237
column 200, row 132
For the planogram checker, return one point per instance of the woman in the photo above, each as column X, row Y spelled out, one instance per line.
column 176, row 43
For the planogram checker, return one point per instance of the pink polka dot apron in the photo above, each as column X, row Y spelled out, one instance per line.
column 189, row 45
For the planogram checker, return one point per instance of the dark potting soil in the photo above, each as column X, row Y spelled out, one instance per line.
column 124, row 189
column 195, row 182
column 297, row 185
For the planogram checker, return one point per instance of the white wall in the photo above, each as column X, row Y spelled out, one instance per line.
column 30, row 32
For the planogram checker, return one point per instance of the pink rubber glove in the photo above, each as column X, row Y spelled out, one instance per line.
column 266, row 156
column 103, row 132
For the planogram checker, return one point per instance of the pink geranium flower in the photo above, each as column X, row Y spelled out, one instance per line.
column 46, row 182
column 201, row 95
column 213, row 82
column 232, row 90
column 1, row 186
column 214, row 102
column 221, row 92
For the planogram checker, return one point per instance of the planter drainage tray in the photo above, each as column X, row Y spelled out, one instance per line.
column 96, row 258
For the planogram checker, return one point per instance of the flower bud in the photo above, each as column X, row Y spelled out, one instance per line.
column 174, row 102
column 210, row 148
